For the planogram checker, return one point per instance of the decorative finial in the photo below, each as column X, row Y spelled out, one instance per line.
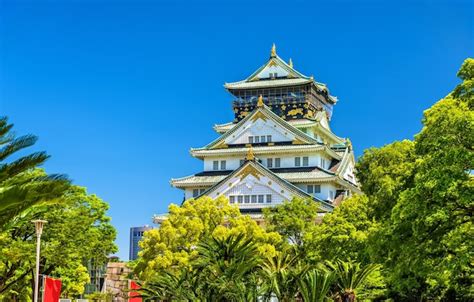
column 260, row 101
column 273, row 53
column 290, row 63
column 312, row 77
column 250, row 156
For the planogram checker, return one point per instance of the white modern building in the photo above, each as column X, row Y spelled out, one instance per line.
column 279, row 145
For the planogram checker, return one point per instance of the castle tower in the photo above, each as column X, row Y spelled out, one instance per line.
column 278, row 146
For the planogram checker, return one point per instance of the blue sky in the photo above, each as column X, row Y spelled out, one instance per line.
column 118, row 92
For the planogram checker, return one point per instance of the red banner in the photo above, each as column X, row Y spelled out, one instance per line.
column 52, row 289
column 132, row 294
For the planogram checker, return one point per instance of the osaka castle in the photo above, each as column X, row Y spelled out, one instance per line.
column 279, row 145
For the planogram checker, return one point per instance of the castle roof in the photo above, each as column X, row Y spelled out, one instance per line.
column 253, row 167
column 263, row 112
column 277, row 73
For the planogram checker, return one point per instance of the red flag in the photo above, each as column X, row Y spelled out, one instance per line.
column 52, row 289
column 133, row 294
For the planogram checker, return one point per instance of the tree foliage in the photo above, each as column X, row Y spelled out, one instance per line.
column 344, row 233
column 293, row 219
column 174, row 243
column 20, row 189
column 420, row 193
column 231, row 269
column 78, row 230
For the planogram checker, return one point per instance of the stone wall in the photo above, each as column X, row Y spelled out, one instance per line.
column 117, row 280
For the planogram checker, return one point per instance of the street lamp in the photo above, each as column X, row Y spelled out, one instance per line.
column 39, row 230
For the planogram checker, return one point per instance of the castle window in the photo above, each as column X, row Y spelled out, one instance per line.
column 269, row 198
column 305, row 161
column 260, row 198
column 257, row 139
column 269, row 138
column 247, row 198
column 240, row 198
column 215, row 165
column 201, row 191
column 263, row 139
column 297, row 161
column 313, row 189
column 223, row 163
column 269, row 162
column 277, row 163
column 232, row 199
column 195, row 192
column 254, row 198
column 250, row 139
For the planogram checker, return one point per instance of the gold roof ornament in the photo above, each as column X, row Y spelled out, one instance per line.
column 250, row 155
column 260, row 101
column 290, row 63
column 273, row 53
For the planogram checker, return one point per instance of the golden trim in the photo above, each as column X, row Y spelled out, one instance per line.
column 248, row 170
column 250, row 155
column 260, row 101
column 258, row 115
column 298, row 141
column 294, row 112
column 221, row 145
column 243, row 114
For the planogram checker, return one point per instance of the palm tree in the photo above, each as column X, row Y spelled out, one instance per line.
column 20, row 185
column 350, row 276
column 229, row 268
column 280, row 274
column 225, row 269
column 315, row 284
column 181, row 285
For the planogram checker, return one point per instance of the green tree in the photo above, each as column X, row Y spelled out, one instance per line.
column 78, row 230
column 420, row 194
column 384, row 173
column 19, row 189
column 293, row 219
column 344, row 233
column 315, row 285
column 173, row 245
column 181, row 285
column 229, row 266
column 281, row 273
column 226, row 269
column 433, row 217
column 350, row 276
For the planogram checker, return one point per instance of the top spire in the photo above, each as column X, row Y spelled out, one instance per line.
column 290, row 63
column 273, row 53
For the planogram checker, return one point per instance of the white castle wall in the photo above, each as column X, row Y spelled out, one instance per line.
column 286, row 161
column 325, row 189
column 260, row 128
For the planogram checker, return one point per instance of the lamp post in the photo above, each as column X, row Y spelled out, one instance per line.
column 39, row 230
